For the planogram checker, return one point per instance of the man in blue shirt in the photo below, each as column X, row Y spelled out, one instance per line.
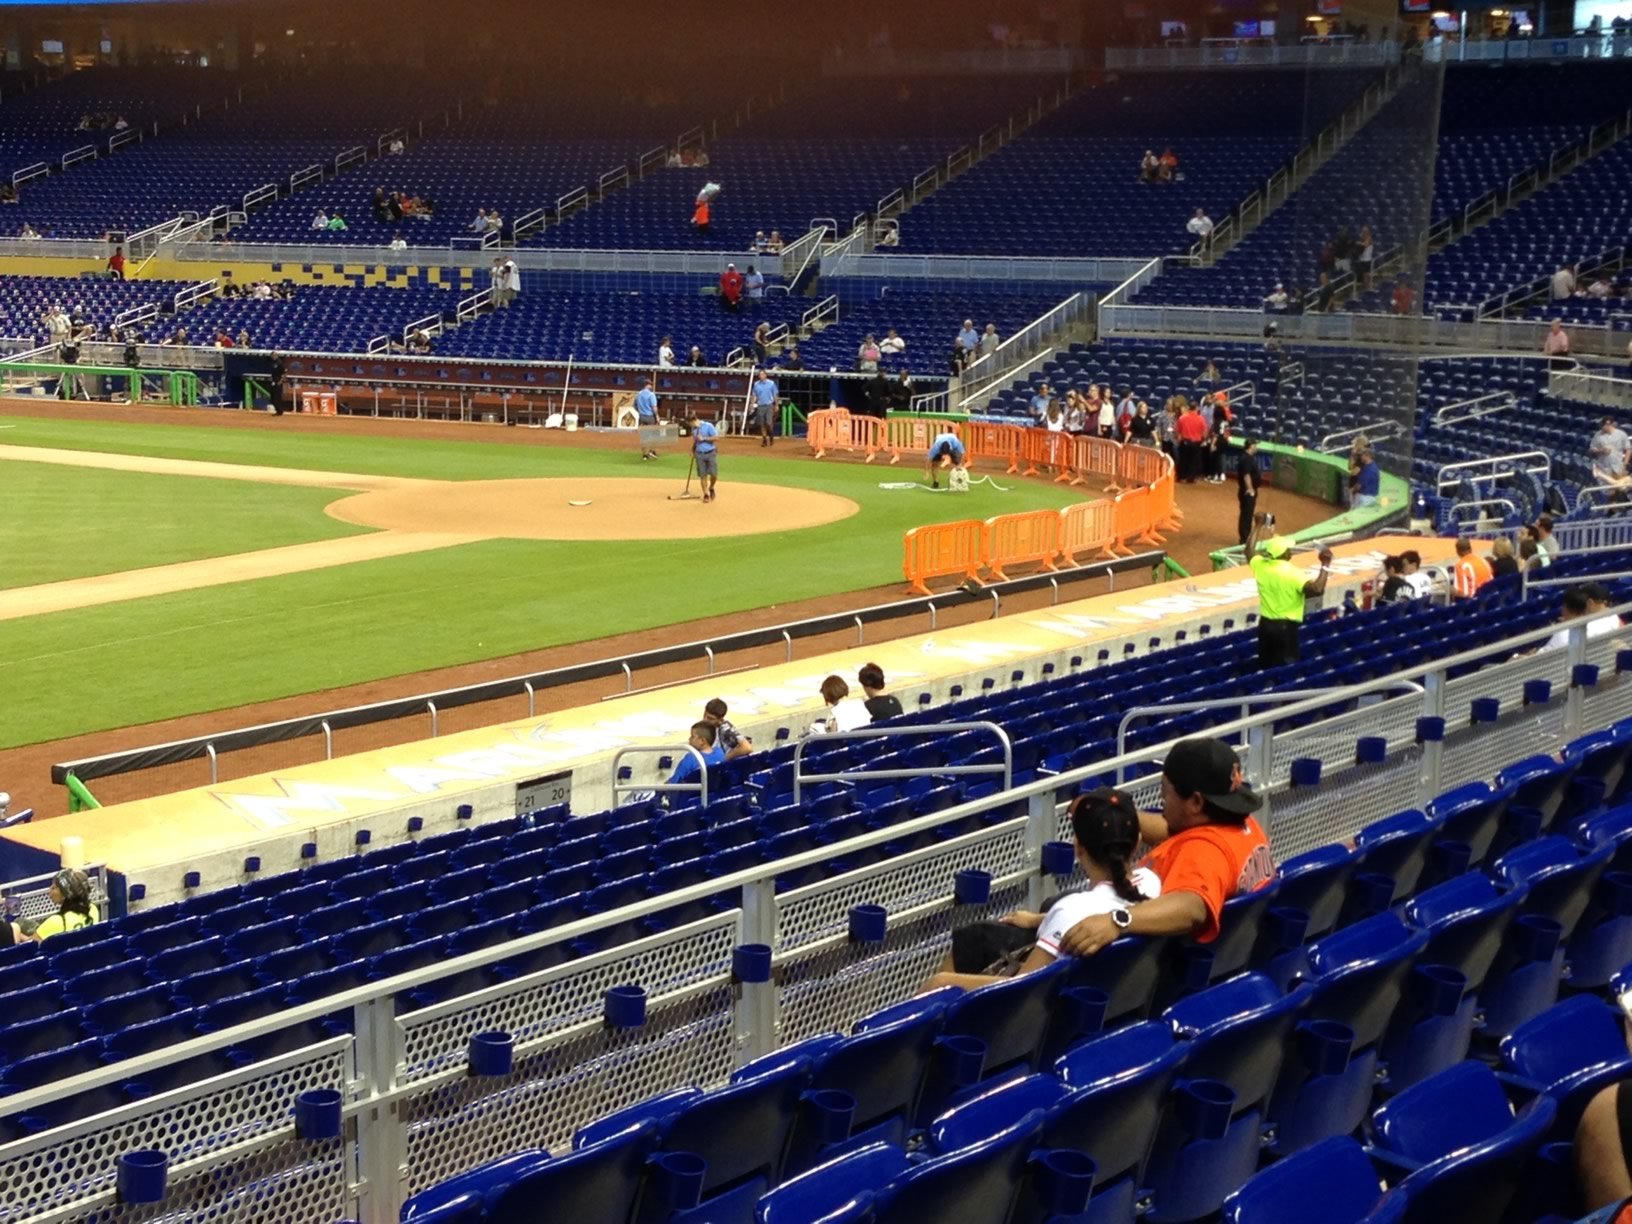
column 702, row 739
column 766, row 393
column 1040, row 403
column 646, row 410
column 1367, row 481
column 705, row 452
column 948, row 447
column 969, row 338
column 754, row 283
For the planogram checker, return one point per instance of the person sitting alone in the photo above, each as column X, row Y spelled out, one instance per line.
column 879, row 704
column 1105, row 827
column 70, row 892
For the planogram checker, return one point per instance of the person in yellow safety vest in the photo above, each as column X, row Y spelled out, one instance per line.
column 70, row 892
column 1282, row 588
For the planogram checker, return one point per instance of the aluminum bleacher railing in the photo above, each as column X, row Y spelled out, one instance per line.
column 416, row 1110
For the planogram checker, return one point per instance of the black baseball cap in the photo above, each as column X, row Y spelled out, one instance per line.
column 1103, row 818
column 1209, row 767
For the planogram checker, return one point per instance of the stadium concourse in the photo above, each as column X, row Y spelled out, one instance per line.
column 586, row 966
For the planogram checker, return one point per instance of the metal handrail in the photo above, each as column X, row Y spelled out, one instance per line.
column 1284, row 697
column 1477, row 406
column 858, row 775
column 699, row 787
column 1494, row 466
column 1346, row 437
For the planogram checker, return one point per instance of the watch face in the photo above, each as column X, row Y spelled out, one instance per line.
column 1122, row 918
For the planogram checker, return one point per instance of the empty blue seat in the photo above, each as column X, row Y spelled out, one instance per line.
column 1335, row 1173
column 596, row 1184
column 1570, row 1051
column 1455, row 1145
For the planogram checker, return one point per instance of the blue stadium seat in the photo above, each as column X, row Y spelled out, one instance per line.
column 1335, row 1173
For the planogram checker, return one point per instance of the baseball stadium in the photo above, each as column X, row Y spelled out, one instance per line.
column 1006, row 615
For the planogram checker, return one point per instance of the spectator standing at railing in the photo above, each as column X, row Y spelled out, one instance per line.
column 892, row 344
column 867, row 355
column 1105, row 417
column 116, row 263
column 398, row 243
column 665, row 353
column 1249, row 477
column 989, row 340
column 969, row 339
column 496, row 281
column 775, row 244
column 1365, row 257
column 1142, row 428
column 1556, row 344
column 1277, row 300
column 1608, row 451
column 1366, row 482
column 1041, row 401
column 754, row 285
column 1201, row 225
column 512, row 281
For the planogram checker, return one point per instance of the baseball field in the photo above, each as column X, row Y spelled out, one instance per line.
column 161, row 569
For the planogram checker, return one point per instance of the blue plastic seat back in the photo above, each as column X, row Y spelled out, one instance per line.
column 1120, row 1086
column 1128, row 972
column 995, row 1110
column 840, row 1191
column 978, row 1185
column 598, row 1184
column 1237, row 1032
column 1558, row 875
column 1318, row 883
column 883, row 1069
column 1335, row 1173
column 1010, row 1016
column 1238, row 931
column 1466, row 919
column 1538, row 782
column 741, row 1130
column 1456, row 1109
column 1357, row 974
column 1571, row 1049
column 1397, row 846
column 1471, row 814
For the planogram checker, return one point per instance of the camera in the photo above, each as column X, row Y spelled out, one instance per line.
column 1269, row 519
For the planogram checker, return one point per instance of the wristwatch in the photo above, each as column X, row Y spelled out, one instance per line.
column 1122, row 918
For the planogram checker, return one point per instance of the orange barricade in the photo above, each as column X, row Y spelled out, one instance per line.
column 1164, row 509
column 944, row 549
column 1130, row 520
column 1143, row 465
column 914, row 434
column 1032, row 538
column 1000, row 442
column 1096, row 457
column 1052, row 452
column 836, row 429
column 1087, row 527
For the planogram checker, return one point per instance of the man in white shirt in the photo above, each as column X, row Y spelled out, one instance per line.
column 1278, row 299
column 989, row 340
column 1608, row 451
column 1563, row 283
column 1418, row 584
column 892, row 343
column 665, row 353
column 321, row 220
column 1201, row 225
column 1586, row 600
column 512, row 281
column 397, row 243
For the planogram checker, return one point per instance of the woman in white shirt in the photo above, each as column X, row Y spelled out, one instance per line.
column 1105, row 825
column 842, row 714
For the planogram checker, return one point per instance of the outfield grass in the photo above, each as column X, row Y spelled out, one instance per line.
column 111, row 666
column 65, row 522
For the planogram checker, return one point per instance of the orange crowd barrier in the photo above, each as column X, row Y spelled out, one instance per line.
column 942, row 550
column 1164, row 506
column 1087, row 527
column 1142, row 465
column 915, row 434
column 1001, row 442
column 1131, row 521
column 837, row 430
column 1097, row 457
column 1032, row 538
column 1041, row 450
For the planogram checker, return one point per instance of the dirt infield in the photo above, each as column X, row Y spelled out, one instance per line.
column 617, row 509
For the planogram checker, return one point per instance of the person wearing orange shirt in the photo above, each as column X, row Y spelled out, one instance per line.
column 1472, row 570
column 1205, row 847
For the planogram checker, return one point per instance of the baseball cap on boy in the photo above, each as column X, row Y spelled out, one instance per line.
column 1209, row 767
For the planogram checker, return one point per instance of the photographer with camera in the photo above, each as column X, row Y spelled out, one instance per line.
column 1282, row 589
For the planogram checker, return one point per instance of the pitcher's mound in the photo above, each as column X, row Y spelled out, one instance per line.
column 632, row 509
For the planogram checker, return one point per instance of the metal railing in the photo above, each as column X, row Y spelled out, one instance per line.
column 861, row 776
column 1603, row 499
column 1608, row 260
column 1342, row 439
column 1492, row 467
column 1504, row 337
column 1588, row 387
column 825, row 311
column 1477, row 406
column 1040, row 334
column 1075, row 272
column 1594, row 534
column 417, row 1107
column 621, row 788
column 1242, row 53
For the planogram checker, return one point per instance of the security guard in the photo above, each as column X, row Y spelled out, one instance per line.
column 1282, row 589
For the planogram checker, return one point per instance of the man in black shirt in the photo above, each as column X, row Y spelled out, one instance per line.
column 1247, row 477
column 880, row 705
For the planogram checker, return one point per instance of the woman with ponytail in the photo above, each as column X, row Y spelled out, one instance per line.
column 1105, row 826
